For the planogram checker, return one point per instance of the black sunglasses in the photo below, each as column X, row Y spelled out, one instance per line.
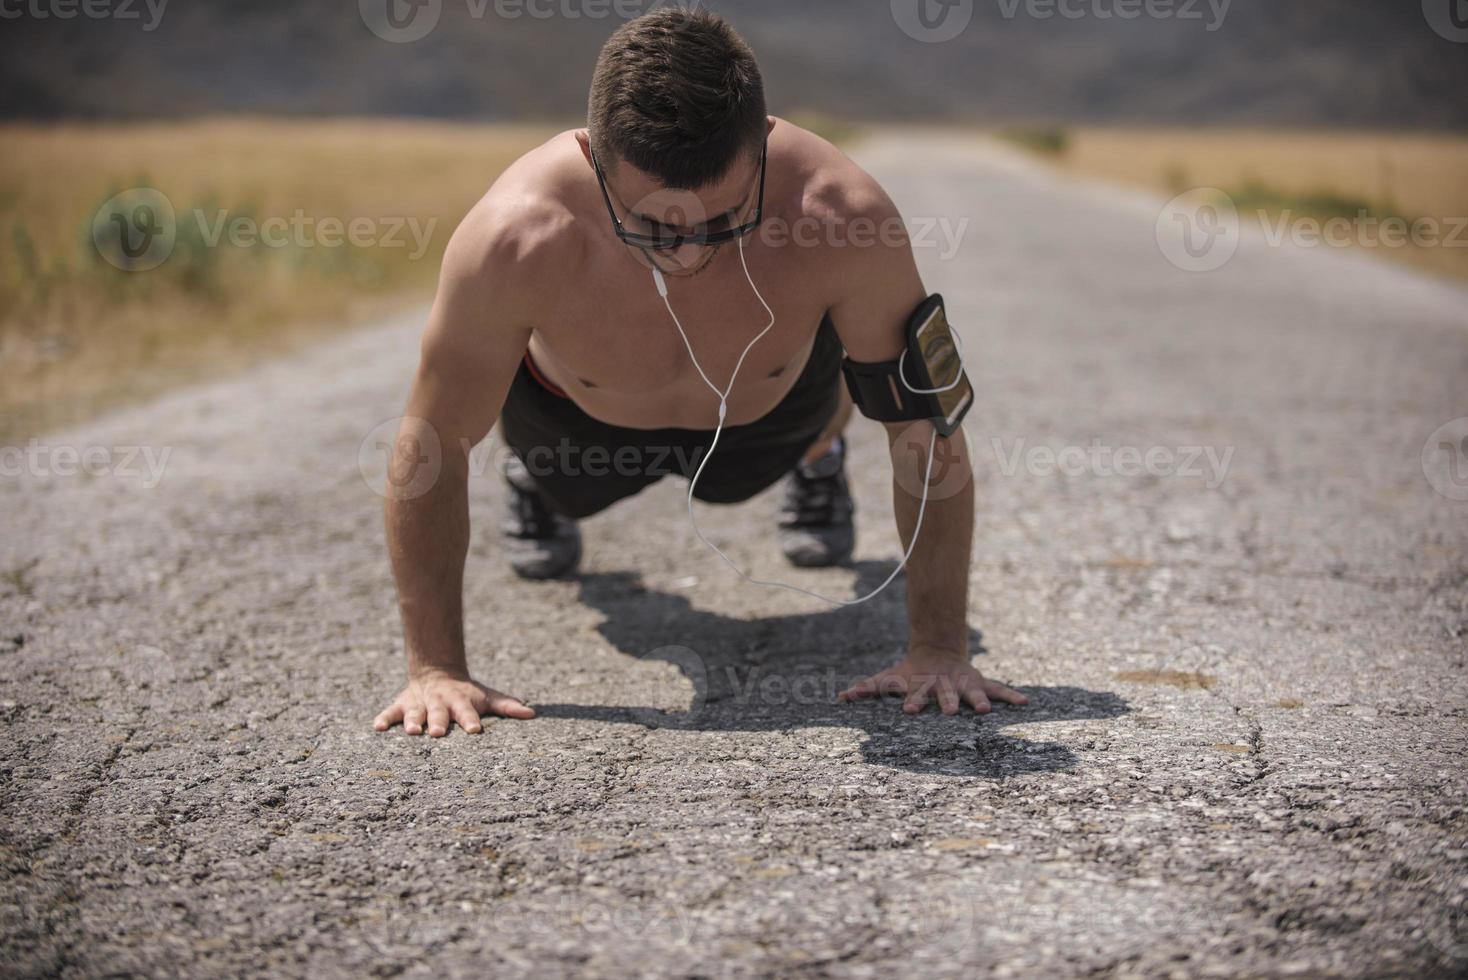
column 666, row 242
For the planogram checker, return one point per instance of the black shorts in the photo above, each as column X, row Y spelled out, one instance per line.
column 583, row 465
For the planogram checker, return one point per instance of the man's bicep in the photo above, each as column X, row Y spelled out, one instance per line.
column 879, row 285
column 471, row 350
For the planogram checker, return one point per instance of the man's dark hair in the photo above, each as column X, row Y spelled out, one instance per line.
column 678, row 95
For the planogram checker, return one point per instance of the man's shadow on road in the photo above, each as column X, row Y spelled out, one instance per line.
column 783, row 673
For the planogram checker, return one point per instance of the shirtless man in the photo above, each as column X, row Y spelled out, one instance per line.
column 548, row 320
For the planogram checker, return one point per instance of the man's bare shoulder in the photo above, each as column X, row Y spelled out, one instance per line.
column 839, row 206
column 525, row 225
column 828, row 185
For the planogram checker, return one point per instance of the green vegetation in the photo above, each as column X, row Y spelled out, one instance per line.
column 1050, row 141
column 1255, row 195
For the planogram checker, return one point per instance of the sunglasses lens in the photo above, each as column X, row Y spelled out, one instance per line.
column 666, row 243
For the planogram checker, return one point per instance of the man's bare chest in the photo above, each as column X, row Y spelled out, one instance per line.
column 615, row 348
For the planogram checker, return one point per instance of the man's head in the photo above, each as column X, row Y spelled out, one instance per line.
column 677, row 122
column 678, row 95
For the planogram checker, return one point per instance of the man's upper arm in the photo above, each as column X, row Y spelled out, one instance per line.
column 476, row 334
column 878, row 285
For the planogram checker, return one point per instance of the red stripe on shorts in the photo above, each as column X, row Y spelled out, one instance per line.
column 535, row 373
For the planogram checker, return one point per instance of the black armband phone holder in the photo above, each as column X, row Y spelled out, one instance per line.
column 926, row 382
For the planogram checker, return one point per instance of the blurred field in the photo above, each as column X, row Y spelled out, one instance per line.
column 1319, row 174
column 78, row 335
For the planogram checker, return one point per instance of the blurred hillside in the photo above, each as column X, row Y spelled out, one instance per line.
column 1331, row 62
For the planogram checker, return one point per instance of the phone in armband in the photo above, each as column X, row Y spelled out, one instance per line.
column 926, row 382
column 933, row 365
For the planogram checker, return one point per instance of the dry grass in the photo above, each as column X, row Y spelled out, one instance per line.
column 78, row 335
column 1314, row 173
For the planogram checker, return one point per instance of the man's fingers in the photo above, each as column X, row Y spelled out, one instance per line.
column 999, row 692
column 413, row 719
column 974, row 695
column 884, row 684
column 865, row 688
column 438, row 719
column 466, row 715
column 497, row 703
column 917, row 698
column 388, row 718
column 891, row 685
column 947, row 696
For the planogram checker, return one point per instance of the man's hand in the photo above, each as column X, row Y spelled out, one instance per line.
column 437, row 697
column 926, row 673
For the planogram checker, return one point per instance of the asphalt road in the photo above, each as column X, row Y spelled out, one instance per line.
column 1244, row 752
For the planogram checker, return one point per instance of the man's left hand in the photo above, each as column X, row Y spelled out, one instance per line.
column 927, row 673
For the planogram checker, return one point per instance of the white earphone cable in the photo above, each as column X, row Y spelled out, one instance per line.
column 723, row 397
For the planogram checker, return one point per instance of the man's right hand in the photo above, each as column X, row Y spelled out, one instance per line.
column 435, row 698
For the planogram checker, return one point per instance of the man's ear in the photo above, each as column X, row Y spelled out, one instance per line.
column 769, row 125
column 584, row 138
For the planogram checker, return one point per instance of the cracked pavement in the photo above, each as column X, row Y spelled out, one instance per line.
column 1244, row 751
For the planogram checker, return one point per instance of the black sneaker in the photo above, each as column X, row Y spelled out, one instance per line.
column 541, row 544
column 816, row 528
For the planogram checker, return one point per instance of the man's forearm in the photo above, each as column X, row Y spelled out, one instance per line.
column 938, row 571
column 428, row 541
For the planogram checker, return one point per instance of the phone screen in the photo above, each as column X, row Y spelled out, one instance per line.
column 941, row 360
